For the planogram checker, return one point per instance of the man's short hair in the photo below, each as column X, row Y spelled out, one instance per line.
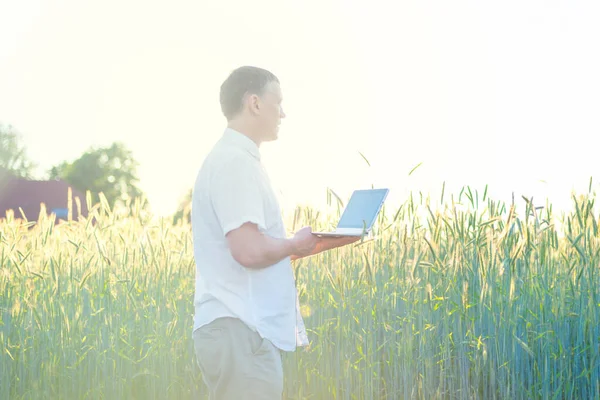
column 242, row 81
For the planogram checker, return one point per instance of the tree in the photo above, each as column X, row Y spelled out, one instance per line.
column 110, row 170
column 13, row 157
column 184, row 209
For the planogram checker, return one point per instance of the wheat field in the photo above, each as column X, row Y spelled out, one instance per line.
column 457, row 298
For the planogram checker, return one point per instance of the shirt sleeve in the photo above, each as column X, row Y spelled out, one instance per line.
column 236, row 194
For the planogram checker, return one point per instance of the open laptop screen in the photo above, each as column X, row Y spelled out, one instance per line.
column 362, row 208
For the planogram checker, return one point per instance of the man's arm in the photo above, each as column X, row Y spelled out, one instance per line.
column 253, row 249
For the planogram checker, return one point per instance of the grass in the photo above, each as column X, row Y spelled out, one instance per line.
column 468, row 299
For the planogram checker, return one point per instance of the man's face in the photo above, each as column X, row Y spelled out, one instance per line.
column 271, row 111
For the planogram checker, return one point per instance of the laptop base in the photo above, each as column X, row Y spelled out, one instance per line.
column 338, row 234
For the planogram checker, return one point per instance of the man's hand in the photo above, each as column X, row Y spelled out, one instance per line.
column 304, row 242
column 328, row 243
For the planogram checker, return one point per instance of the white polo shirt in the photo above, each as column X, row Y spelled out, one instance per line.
column 233, row 188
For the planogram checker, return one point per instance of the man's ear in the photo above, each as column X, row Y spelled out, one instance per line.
column 253, row 102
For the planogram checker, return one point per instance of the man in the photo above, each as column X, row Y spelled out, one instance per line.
column 246, row 305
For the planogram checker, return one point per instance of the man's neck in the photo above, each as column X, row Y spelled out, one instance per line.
column 245, row 130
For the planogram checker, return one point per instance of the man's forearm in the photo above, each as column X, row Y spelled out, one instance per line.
column 269, row 251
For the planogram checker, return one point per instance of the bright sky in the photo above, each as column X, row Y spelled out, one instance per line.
column 499, row 93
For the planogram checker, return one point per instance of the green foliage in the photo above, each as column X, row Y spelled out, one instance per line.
column 111, row 170
column 13, row 156
column 470, row 301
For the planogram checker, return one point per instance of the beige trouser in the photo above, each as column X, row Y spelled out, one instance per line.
column 237, row 363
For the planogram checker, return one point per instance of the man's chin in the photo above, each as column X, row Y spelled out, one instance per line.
column 275, row 135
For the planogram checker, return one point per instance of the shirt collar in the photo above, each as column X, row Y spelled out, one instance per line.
column 240, row 140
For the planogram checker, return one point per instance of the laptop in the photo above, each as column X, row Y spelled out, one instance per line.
column 360, row 213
